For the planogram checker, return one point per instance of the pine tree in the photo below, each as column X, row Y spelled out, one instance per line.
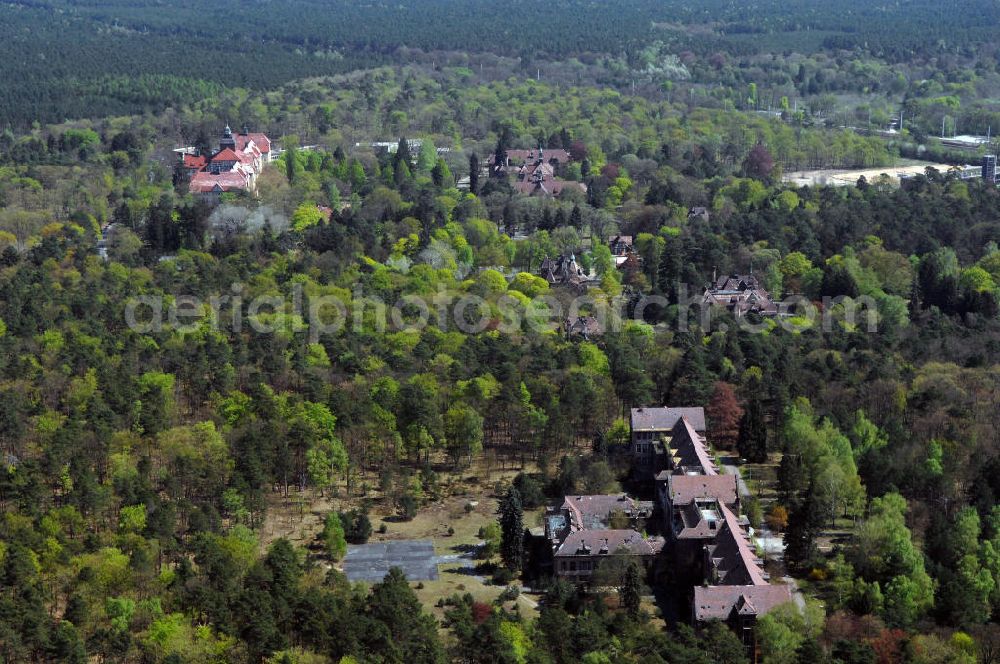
column 400, row 626
column 696, row 382
column 400, row 172
column 547, row 223
column 203, row 143
column 668, row 274
column 631, row 594
column 803, row 525
column 403, row 153
column 291, row 162
column 576, row 218
column 441, row 174
column 473, row 173
column 511, row 513
column 503, row 143
column 752, row 442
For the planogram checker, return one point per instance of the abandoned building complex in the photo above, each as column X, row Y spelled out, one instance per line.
column 585, row 530
column 706, row 543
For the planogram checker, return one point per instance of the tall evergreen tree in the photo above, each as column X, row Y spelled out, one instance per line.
column 752, row 443
column 696, row 382
column 503, row 144
column 668, row 274
column 441, row 175
column 473, row 173
column 403, row 155
column 576, row 218
column 631, row 593
column 511, row 518
column 402, row 630
column 291, row 162
column 804, row 522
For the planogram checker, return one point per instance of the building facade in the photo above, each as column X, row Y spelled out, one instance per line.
column 233, row 168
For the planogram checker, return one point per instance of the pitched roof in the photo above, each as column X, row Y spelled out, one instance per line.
column 548, row 187
column 518, row 156
column 663, row 418
column 226, row 154
column 262, row 142
column 543, row 170
column 689, row 449
column 585, row 326
column 736, row 282
column 683, row 489
column 718, row 602
column 607, row 542
column 696, row 521
column 195, row 161
column 205, row 182
column 733, row 561
column 620, row 245
column 589, row 512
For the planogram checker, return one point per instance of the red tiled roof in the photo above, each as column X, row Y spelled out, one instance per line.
column 195, row 161
column 225, row 155
column 530, row 170
column 205, row 182
column 262, row 142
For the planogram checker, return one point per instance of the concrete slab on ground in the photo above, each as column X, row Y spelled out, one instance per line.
column 371, row 562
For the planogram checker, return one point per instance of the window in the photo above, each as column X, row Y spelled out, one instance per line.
column 572, row 566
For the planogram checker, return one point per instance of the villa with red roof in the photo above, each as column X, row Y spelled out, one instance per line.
column 234, row 167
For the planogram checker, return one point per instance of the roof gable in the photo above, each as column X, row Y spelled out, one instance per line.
column 664, row 418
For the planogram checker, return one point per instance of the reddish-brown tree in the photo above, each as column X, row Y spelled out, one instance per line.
column 724, row 413
column 578, row 150
column 759, row 163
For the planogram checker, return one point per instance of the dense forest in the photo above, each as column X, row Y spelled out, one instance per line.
column 81, row 58
column 187, row 491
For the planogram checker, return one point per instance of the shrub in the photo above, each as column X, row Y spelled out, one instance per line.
column 502, row 576
column 509, row 594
